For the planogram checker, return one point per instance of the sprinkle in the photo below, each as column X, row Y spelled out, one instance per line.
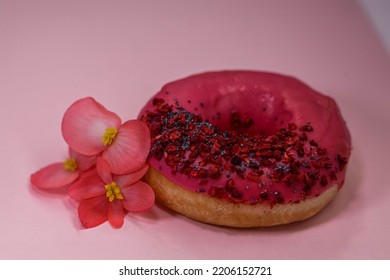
column 197, row 149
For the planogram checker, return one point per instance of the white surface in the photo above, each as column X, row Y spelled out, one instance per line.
column 378, row 12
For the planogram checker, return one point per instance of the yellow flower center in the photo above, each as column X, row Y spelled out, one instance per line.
column 113, row 192
column 70, row 164
column 109, row 136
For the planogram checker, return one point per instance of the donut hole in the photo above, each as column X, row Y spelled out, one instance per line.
column 248, row 112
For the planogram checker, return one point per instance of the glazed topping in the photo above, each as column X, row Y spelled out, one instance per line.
column 284, row 167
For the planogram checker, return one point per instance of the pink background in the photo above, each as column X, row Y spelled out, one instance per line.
column 121, row 53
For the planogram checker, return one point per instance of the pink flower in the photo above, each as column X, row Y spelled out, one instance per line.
column 60, row 174
column 104, row 196
column 90, row 129
column 107, row 160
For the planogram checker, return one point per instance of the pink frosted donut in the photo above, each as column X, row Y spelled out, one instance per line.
column 245, row 148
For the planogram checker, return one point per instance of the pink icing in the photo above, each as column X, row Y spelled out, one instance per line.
column 256, row 103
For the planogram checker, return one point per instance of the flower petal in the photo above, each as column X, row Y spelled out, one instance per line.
column 93, row 211
column 128, row 179
column 83, row 162
column 130, row 149
column 53, row 176
column 84, row 124
column 116, row 213
column 104, row 171
column 138, row 197
column 88, row 186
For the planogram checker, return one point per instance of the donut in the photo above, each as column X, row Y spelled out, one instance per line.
column 245, row 148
